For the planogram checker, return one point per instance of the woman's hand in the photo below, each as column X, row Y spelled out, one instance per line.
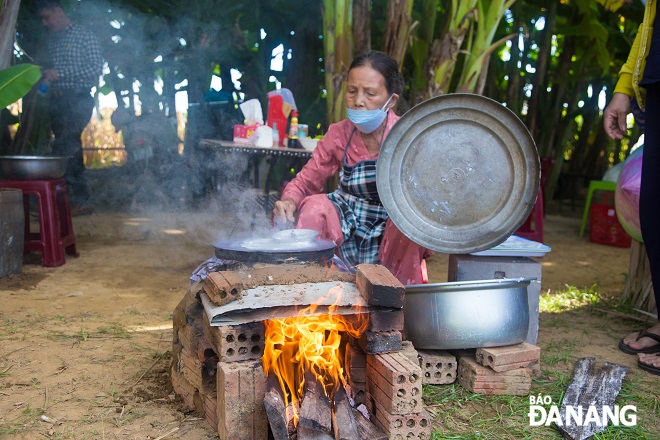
column 614, row 116
column 285, row 210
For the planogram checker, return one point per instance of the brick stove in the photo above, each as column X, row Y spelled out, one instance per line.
column 217, row 369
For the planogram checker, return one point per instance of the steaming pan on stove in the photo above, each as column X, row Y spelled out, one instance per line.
column 274, row 251
column 458, row 173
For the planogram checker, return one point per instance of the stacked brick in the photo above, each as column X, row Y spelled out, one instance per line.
column 393, row 380
column 500, row 370
column 217, row 371
column 438, row 366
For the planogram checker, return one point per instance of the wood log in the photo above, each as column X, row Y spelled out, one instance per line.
column 586, row 387
column 275, row 409
column 315, row 413
column 310, row 434
column 343, row 420
column 367, row 429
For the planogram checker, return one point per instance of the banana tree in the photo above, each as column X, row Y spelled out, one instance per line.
column 338, row 40
column 481, row 46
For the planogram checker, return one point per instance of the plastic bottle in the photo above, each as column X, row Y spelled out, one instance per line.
column 293, row 141
column 276, row 135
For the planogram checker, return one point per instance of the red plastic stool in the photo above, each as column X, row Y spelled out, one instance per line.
column 532, row 229
column 55, row 229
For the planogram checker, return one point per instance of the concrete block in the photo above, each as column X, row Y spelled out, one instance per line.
column 471, row 268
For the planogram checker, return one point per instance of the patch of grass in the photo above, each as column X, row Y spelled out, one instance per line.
column 83, row 335
column 568, row 299
column 115, row 329
column 459, row 414
column 558, row 351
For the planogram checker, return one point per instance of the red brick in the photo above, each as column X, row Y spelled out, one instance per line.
column 509, row 357
column 386, row 320
column 211, row 410
column 400, row 426
column 355, row 357
column 379, row 287
column 183, row 388
column 235, row 343
column 222, row 287
column 438, row 367
column 395, row 382
column 241, row 389
column 483, row 380
column 382, row 342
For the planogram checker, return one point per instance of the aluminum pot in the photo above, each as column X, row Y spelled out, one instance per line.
column 32, row 167
column 467, row 314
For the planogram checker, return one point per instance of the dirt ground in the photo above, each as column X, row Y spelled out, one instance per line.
column 85, row 347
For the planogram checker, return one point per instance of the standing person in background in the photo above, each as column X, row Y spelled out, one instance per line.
column 353, row 216
column 75, row 66
column 639, row 78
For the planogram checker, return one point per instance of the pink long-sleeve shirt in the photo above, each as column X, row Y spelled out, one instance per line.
column 327, row 157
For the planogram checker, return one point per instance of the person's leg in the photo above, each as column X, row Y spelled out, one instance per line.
column 70, row 114
column 649, row 210
column 319, row 213
column 402, row 256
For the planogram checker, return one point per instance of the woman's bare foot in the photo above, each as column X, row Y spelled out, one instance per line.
column 635, row 344
column 649, row 362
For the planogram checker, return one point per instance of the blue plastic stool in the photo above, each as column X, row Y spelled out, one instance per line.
column 594, row 185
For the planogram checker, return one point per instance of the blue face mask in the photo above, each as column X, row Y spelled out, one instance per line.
column 367, row 121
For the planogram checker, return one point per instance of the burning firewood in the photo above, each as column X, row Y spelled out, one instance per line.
column 315, row 413
column 343, row 420
column 276, row 410
column 366, row 429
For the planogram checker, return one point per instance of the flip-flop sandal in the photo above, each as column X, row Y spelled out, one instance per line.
column 642, row 334
column 649, row 368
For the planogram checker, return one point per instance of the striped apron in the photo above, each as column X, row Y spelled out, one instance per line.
column 361, row 214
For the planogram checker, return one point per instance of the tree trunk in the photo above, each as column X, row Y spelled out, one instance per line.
column 444, row 52
column 338, row 39
column 8, row 16
column 397, row 30
column 639, row 288
column 361, row 26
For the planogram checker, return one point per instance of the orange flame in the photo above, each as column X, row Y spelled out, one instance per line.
column 309, row 342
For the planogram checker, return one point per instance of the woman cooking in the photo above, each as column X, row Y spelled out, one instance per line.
column 352, row 216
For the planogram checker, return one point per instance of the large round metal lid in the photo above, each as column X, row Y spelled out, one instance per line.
column 458, row 173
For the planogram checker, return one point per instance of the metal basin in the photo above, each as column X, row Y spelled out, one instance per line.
column 32, row 167
column 467, row 314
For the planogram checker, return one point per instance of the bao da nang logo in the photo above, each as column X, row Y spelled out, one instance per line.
column 543, row 411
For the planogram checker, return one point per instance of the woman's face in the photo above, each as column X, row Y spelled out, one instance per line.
column 366, row 90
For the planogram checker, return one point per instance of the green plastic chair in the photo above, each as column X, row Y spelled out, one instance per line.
column 594, row 185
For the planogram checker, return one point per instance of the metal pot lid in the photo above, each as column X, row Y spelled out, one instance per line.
column 458, row 173
column 274, row 251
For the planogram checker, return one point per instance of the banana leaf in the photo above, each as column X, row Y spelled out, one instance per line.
column 16, row 81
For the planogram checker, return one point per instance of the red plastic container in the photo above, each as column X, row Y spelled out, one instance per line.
column 605, row 227
column 275, row 115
